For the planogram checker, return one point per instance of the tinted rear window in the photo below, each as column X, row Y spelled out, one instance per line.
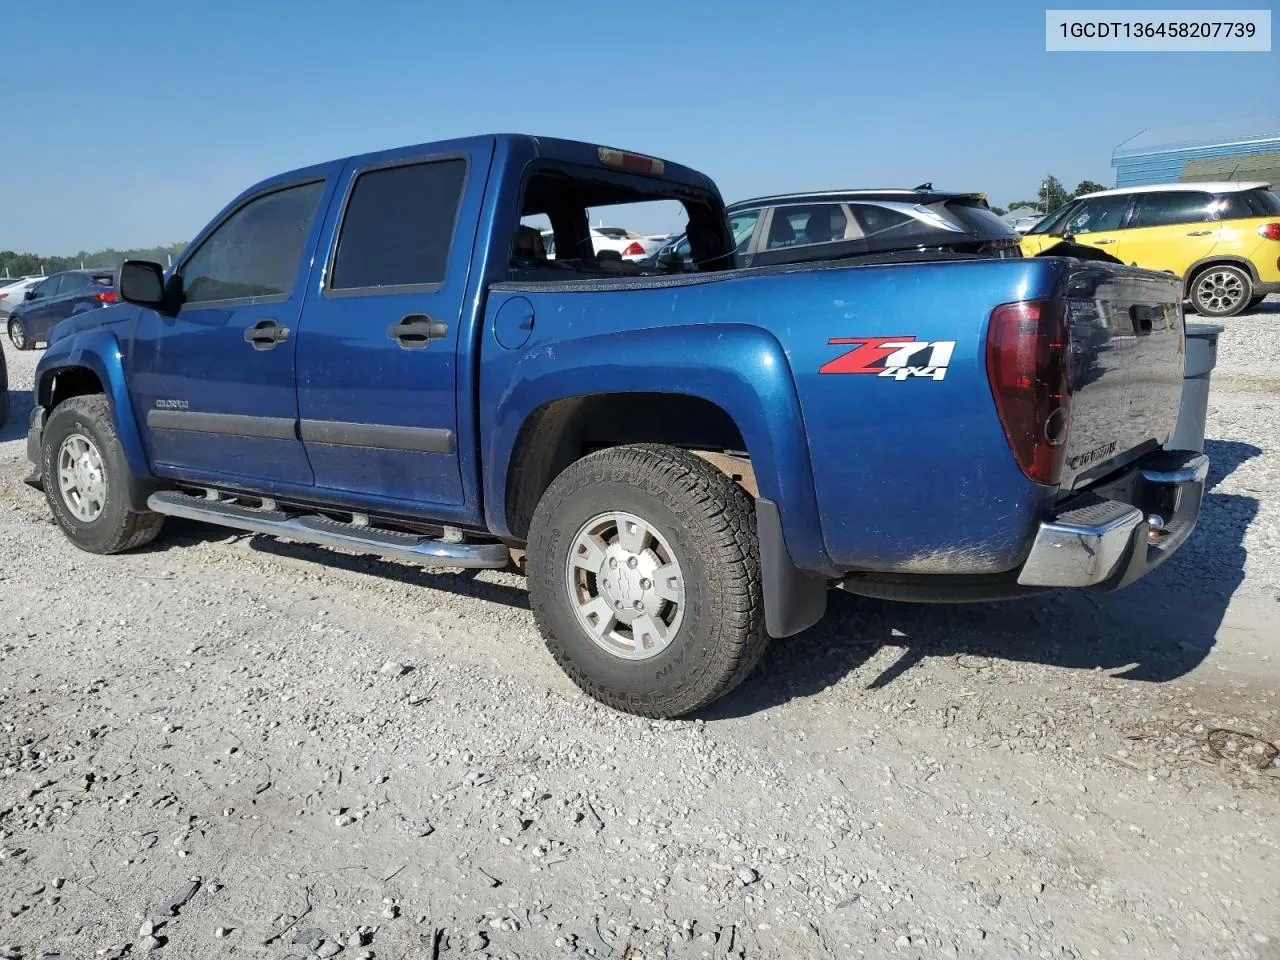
column 930, row 222
column 1264, row 202
column 1163, row 209
column 399, row 226
column 979, row 219
column 74, row 282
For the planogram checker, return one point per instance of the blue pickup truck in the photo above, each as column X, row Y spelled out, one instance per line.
column 377, row 354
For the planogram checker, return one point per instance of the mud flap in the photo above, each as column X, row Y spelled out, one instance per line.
column 793, row 600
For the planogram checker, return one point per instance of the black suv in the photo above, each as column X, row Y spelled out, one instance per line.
column 917, row 224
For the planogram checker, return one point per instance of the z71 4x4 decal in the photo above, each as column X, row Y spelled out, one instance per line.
column 896, row 357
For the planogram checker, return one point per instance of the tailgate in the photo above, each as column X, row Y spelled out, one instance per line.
column 1126, row 352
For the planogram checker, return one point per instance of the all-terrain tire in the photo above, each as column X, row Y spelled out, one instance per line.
column 117, row 527
column 708, row 523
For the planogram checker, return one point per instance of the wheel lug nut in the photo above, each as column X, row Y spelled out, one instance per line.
column 638, row 605
column 646, row 583
column 613, row 563
column 632, row 562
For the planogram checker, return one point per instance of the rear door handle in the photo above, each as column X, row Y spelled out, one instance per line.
column 416, row 330
column 265, row 334
column 1101, row 242
column 1199, row 233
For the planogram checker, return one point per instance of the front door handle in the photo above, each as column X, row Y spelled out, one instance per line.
column 416, row 330
column 1199, row 233
column 265, row 334
column 1101, row 242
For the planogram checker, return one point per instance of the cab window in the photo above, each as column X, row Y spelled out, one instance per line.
column 1098, row 214
column 742, row 226
column 49, row 288
column 1164, row 209
column 256, row 251
column 793, row 226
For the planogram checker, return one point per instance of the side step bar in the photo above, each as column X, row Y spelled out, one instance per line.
column 413, row 547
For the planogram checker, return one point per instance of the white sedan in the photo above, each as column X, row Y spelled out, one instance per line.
column 628, row 243
column 13, row 290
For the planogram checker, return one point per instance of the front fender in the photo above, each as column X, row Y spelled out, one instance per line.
column 740, row 368
column 99, row 351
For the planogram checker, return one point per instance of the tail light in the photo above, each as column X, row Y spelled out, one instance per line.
column 106, row 296
column 3, row 295
column 635, row 249
column 1028, row 367
column 1269, row 231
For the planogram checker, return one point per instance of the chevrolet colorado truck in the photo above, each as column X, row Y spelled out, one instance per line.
column 376, row 354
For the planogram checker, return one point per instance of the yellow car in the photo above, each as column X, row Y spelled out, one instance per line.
column 1223, row 239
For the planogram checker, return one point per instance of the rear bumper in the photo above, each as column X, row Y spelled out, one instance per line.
column 1121, row 529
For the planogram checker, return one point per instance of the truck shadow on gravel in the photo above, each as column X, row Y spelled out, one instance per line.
column 180, row 533
column 20, row 403
column 1159, row 629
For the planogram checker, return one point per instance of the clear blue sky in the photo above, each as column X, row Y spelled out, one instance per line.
column 131, row 122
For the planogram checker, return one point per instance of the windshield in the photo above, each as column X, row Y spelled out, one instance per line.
column 1053, row 220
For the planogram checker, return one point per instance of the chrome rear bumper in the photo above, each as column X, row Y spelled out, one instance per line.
column 1123, row 528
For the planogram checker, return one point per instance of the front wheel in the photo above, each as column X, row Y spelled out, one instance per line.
column 18, row 335
column 84, row 474
column 644, row 578
column 1221, row 291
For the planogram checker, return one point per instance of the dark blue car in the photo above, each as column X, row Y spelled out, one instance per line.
column 54, row 299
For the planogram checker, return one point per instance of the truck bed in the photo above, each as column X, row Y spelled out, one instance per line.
column 912, row 469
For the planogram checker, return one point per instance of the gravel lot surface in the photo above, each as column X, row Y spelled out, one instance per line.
column 225, row 745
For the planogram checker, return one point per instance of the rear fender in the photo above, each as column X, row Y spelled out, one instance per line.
column 740, row 368
column 99, row 351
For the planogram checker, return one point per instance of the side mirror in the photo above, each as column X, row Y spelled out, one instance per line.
column 30, row 294
column 142, row 282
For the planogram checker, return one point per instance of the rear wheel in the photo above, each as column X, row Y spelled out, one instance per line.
column 644, row 577
column 1221, row 291
column 84, row 473
column 18, row 335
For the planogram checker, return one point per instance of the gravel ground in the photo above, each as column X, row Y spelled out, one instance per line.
column 228, row 745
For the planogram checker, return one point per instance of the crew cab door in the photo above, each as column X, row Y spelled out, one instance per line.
column 213, row 386
column 378, row 349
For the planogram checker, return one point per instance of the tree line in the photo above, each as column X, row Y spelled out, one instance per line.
column 1052, row 195
column 26, row 264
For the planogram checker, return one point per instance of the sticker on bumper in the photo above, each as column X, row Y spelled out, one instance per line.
column 899, row 358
